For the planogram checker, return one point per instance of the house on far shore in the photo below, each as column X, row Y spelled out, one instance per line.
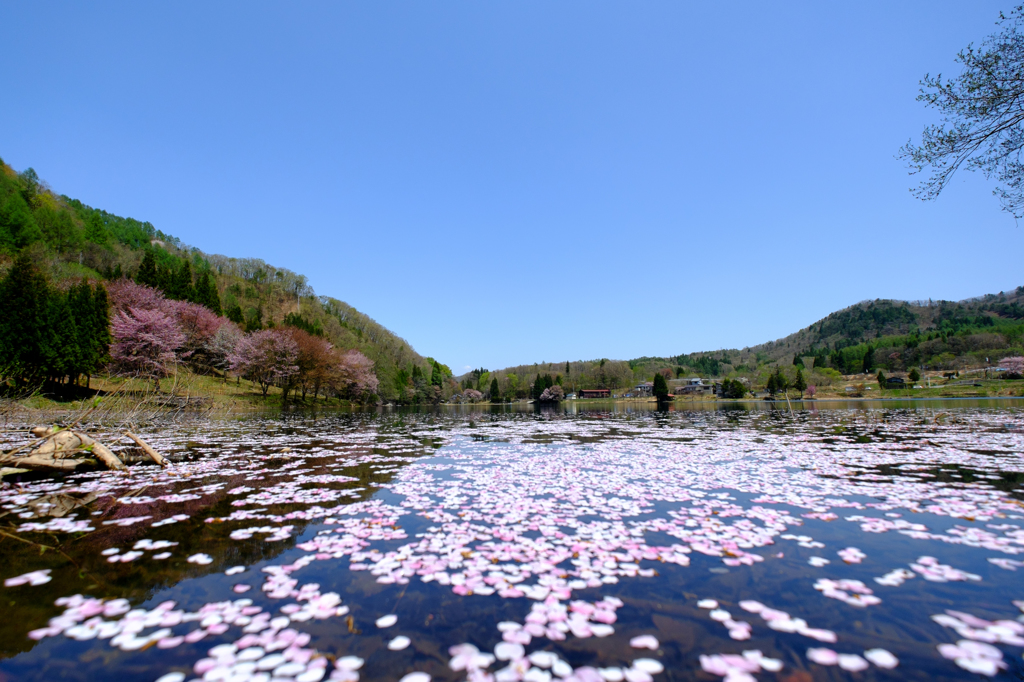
column 646, row 388
column 694, row 385
column 595, row 393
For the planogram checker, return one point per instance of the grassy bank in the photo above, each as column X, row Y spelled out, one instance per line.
column 223, row 397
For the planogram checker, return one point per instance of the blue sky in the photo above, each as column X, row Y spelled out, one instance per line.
column 506, row 183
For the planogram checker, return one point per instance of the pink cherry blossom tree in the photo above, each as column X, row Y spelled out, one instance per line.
column 145, row 344
column 266, row 357
column 811, row 390
column 552, row 394
column 125, row 294
column 1014, row 365
column 221, row 345
column 199, row 324
column 351, row 375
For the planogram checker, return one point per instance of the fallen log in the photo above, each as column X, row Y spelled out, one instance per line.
column 58, row 442
column 102, row 453
column 153, row 454
column 61, row 450
column 42, row 463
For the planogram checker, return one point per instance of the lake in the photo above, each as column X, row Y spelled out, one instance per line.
column 849, row 541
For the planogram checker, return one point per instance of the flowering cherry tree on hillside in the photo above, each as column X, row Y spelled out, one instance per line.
column 1014, row 366
column 125, row 294
column 199, row 324
column 355, row 375
column 266, row 357
column 145, row 344
column 222, row 345
column 315, row 361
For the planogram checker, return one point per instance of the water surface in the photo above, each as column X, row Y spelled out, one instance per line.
column 275, row 544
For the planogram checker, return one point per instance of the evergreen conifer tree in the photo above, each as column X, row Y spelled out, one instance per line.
column 206, row 293
column 147, row 273
column 660, row 389
column 24, row 311
column 869, row 360
column 235, row 314
column 538, row 387
column 83, row 313
column 95, row 231
column 101, row 325
column 548, row 381
column 59, row 347
column 495, row 392
column 182, row 288
column 800, row 383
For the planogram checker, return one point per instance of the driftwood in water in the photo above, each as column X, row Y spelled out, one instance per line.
column 153, row 454
column 61, row 450
column 42, row 463
column 102, row 453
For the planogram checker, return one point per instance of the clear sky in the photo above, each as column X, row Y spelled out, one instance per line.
column 516, row 182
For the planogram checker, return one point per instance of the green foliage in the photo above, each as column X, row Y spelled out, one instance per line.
column 49, row 334
column 147, row 273
column 880, row 378
column 95, row 231
column 495, row 392
column 914, row 375
column 777, row 383
column 295, row 320
column 181, row 287
column 254, row 319
column 733, row 389
column 206, row 294
column 799, row 383
column 660, row 387
column 234, row 314
column 538, row 387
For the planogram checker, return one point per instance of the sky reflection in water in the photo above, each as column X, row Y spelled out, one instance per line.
column 641, row 546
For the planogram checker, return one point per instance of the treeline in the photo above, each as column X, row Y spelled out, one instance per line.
column 47, row 334
column 31, row 214
column 178, row 283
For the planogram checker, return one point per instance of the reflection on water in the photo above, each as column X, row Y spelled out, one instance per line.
column 819, row 537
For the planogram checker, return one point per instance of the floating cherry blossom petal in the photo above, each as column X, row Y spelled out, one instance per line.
column 399, row 643
column 416, row 677
column 39, row 577
column 644, row 642
column 881, row 658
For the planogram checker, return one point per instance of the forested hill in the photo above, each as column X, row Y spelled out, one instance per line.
column 883, row 317
column 896, row 335
column 72, row 242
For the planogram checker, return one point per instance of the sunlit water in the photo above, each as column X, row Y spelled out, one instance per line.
column 852, row 544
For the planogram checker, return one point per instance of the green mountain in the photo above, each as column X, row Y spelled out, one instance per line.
column 882, row 334
column 73, row 242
